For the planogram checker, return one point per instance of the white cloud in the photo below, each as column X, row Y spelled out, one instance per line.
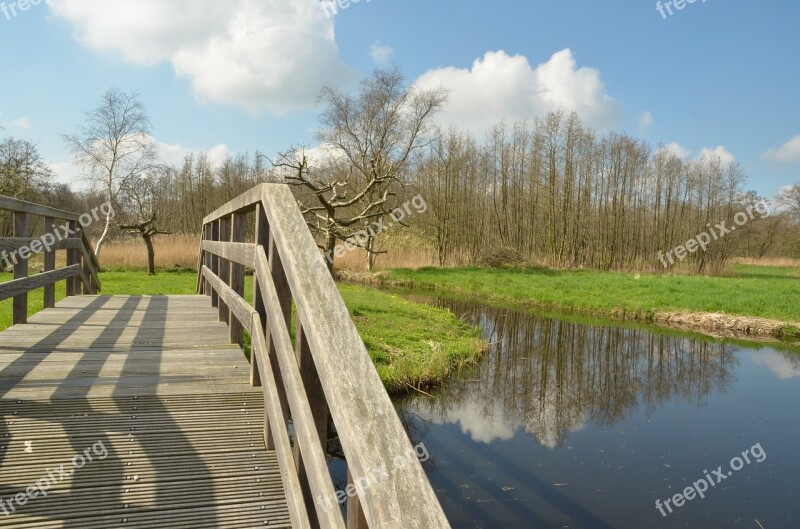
column 780, row 366
column 380, row 53
column 69, row 173
column 500, row 86
column 173, row 154
column 324, row 154
column 646, row 121
column 66, row 172
column 19, row 123
column 725, row 157
column 22, row 123
column 274, row 55
column 788, row 152
column 678, row 150
column 720, row 152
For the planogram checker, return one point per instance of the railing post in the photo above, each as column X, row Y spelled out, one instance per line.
column 50, row 265
column 355, row 513
column 214, row 262
column 88, row 289
column 20, row 303
column 319, row 409
column 73, row 258
column 204, row 287
column 261, row 239
column 285, row 298
column 237, row 275
column 224, row 268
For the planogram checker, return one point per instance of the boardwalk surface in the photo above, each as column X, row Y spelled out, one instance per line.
column 147, row 396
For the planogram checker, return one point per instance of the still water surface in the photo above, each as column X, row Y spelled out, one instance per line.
column 575, row 425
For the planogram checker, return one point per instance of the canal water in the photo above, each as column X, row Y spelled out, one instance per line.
column 576, row 424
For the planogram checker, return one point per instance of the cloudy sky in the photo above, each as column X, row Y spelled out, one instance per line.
column 235, row 76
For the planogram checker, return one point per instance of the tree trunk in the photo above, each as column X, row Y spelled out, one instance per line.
column 330, row 247
column 370, row 254
column 151, row 254
column 102, row 238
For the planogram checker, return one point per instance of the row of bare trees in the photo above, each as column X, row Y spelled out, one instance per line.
column 561, row 194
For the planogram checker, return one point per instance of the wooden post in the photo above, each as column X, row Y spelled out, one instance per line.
column 319, row 409
column 88, row 290
column 261, row 239
column 355, row 513
column 285, row 298
column 224, row 268
column 205, row 286
column 50, row 265
column 73, row 258
column 238, row 232
column 214, row 262
column 20, row 303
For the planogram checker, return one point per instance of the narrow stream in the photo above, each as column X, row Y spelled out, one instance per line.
column 585, row 425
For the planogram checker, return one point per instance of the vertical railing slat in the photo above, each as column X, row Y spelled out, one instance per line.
column 238, row 232
column 224, row 268
column 355, row 513
column 215, row 262
column 49, row 266
column 73, row 258
column 285, row 299
column 319, row 409
column 20, row 303
column 261, row 239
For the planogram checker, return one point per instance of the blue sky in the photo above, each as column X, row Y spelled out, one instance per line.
column 242, row 75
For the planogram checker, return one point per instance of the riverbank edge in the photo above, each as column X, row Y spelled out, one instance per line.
column 414, row 347
column 716, row 325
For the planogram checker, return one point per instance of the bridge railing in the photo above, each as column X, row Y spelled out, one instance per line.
column 62, row 231
column 321, row 375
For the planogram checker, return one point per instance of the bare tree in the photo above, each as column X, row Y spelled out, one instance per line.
column 142, row 212
column 373, row 137
column 24, row 175
column 23, row 172
column 114, row 147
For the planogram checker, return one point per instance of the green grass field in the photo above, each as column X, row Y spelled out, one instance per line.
column 411, row 344
column 758, row 291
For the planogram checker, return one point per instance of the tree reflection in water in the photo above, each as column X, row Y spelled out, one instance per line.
column 550, row 377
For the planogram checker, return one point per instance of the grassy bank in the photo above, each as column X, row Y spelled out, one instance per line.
column 769, row 293
column 411, row 344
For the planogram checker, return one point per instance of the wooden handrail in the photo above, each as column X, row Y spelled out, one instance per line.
column 326, row 374
column 16, row 205
column 81, row 272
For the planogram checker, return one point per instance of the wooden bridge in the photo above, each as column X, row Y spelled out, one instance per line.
column 142, row 411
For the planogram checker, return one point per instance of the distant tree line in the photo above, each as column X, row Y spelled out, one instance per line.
column 563, row 195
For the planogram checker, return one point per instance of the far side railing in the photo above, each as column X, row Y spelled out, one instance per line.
column 325, row 375
column 62, row 231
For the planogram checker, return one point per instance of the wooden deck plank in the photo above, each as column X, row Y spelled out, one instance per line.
column 155, row 385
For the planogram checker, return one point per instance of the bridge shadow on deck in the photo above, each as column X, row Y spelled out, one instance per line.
column 137, row 390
